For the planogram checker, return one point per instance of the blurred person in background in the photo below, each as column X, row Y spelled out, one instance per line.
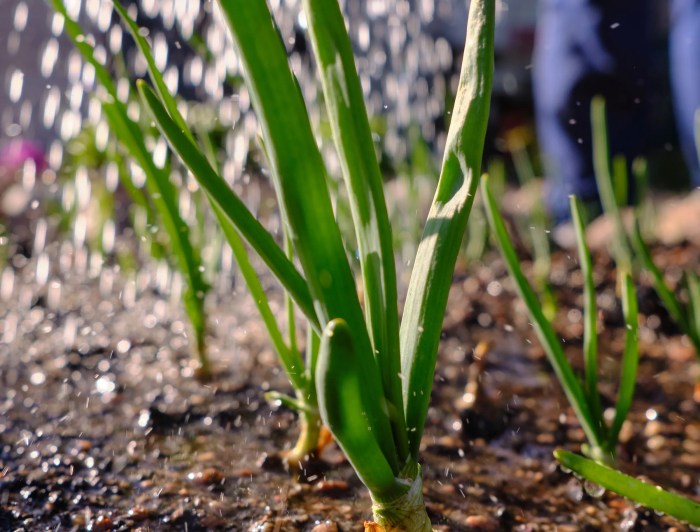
column 585, row 48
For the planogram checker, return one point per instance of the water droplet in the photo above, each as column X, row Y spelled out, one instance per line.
column 594, row 490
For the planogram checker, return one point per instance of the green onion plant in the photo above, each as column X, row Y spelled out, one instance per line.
column 582, row 393
column 653, row 497
column 373, row 374
column 613, row 187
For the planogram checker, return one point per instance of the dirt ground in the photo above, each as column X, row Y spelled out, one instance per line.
column 103, row 425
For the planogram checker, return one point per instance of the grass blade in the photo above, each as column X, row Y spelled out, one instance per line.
column 353, row 140
column 590, row 319
column 437, row 253
column 545, row 332
column 630, row 361
column 651, row 496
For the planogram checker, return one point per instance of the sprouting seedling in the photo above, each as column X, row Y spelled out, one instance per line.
column 583, row 396
column 653, row 497
column 686, row 315
column 612, row 187
column 160, row 190
column 373, row 378
column 537, row 224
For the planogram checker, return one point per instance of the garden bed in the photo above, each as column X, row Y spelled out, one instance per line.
column 104, row 426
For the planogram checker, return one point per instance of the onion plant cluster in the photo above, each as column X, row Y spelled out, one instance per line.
column 372, row 373
column 583, row 395
column 629, row 247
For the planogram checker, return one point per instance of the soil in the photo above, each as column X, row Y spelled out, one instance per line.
column 103, row 425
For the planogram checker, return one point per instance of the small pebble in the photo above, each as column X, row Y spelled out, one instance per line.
column 206, row 477
column 481, row 522
column 331, row 486
column 82, row 445
column 102, row 523
column 139, row 513
column 208, row 456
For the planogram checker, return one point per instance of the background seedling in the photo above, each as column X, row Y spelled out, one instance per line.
column 686, row 315
column 612, row 187
column 583, row 395
column 160, row 190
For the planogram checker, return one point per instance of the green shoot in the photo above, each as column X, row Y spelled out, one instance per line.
column 642, row 200
column 607, row 181
column 583, row 396
column 478, row 233
column 687, row 317
column 653, row 497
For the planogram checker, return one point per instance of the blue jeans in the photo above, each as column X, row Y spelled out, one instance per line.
column 589, row 47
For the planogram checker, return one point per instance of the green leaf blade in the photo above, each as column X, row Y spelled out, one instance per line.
column 606, row 190
column 630, row 361
column 353, row 140
column 218, row 191
column 155, row 75
column 651, row 496
column 292, row 362
column 590, row 313
column 346, row 403
column 437, row 253
column 668, row 298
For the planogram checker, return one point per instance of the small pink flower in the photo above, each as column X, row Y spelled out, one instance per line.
column 14, row 154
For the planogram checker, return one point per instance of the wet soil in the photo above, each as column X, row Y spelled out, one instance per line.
column 103, row 425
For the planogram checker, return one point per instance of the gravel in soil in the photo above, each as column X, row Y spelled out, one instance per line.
column 103, row 425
